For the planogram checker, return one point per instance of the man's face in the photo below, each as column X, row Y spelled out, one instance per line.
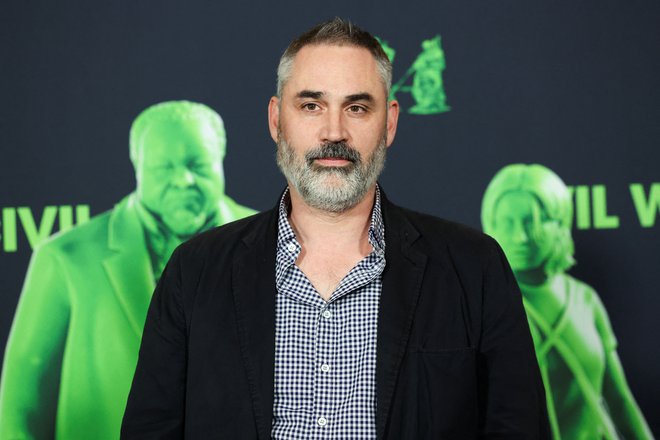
column 520, row 228
column 179, row 173
column 332, row 125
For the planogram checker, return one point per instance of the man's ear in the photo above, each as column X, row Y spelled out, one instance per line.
column 392, row 120
column 274, row 117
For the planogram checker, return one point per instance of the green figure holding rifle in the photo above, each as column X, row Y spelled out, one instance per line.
column 427, row 88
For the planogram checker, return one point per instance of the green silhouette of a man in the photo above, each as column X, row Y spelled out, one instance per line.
column 74, row 342
column 528, row 210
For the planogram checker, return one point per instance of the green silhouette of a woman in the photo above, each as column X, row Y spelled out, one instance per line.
column 528, row 210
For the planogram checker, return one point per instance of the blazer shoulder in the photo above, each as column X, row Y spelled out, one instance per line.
column 91, row 234
column 223, row 239
column 457, row 237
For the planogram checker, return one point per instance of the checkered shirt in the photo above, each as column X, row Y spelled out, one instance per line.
column 325, row 352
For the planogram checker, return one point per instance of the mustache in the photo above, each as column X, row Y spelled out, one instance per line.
column 333, row 150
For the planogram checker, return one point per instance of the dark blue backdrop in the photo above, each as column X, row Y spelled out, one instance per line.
column 571, row 85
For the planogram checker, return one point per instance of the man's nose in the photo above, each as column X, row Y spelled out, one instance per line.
column 519, row 233
column 182, row 177
column 334, row 127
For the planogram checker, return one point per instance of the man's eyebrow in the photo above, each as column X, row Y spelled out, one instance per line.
column 360, row 97
column 309, row 94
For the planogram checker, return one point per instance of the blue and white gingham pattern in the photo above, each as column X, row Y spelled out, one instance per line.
column 325, row 353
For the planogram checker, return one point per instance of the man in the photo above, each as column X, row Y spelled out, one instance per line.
column 73, row 346
column 336, row 314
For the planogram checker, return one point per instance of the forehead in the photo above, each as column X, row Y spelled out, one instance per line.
column 516, row 203
column 189, row 136
column 179, row 130
column 334, row 69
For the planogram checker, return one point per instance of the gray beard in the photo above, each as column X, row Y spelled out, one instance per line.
column 331, row 189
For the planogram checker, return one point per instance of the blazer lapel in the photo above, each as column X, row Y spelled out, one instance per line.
column 402, row 280
column 254, row 292
column 129, row 268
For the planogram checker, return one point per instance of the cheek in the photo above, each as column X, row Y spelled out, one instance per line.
column 302, row 133
column 549, row 234
column 501, row 231
column 210, row 187
column 505, row 243
column 153, row 186
column 545, row 246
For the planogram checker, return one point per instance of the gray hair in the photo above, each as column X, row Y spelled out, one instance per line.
column 335, row 32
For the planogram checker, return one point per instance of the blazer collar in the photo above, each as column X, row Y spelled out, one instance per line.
column 129, row 268
column 402, row 280
column 254, row 292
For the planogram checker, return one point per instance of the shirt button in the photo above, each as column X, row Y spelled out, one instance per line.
column 291, row 247
column 327, row 314
column 325, row 368
column 322, row 421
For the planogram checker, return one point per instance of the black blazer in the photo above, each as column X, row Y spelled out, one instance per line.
column 455, row 358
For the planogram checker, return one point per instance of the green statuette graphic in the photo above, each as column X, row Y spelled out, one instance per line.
column 528, row 210
column 74, row 342
column 427, row 87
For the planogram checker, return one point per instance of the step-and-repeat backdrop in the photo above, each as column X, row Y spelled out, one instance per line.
column 537, row 122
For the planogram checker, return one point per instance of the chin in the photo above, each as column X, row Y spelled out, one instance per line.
column 333, row 180
column 183, row 225
column 520, row 265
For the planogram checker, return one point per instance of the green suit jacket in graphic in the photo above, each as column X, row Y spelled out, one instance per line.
column 73, row 346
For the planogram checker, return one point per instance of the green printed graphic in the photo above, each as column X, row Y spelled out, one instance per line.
column 427, row 88
column 389, row 50
column 648, row 208
column 582, row 207
column 9, row 239
column 591, row 210
column 73, row 346
column 528, row 210
column 36, row 232
column 591, row 204
column 602, row 220
column 66, row 216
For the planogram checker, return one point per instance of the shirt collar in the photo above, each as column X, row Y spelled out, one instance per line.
column 286, row 236
column 288, row 247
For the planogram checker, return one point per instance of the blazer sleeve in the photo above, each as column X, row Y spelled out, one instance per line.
column 33, row 357
column 512, row 403
column 155, row 407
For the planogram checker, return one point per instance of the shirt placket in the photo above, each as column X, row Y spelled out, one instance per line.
column 322, row 344
column 324, row 374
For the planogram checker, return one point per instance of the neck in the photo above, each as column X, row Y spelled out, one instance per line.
column 156, row 225
column 532, row 277
column 314, row 226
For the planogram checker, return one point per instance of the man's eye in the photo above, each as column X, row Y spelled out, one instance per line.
column 356, row 109
column 162, row 167
column 200, row 166
column 310, row 106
